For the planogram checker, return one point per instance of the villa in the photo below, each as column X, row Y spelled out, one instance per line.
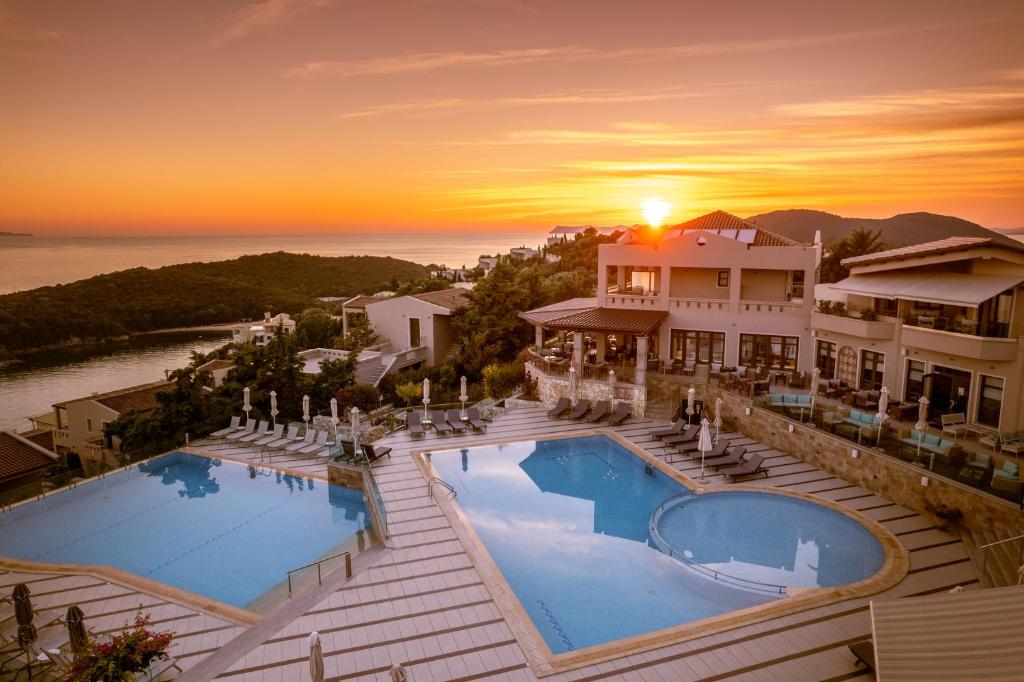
column 416, row 329
column 354, row 308
column 22, row 461
column 260, row 333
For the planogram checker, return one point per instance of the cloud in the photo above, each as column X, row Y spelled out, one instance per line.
column 432, row 61
column 916, row 101
column 18, row 29
column 262, row 14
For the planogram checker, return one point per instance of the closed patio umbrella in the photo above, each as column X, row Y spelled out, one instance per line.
column 398, row 673
column 463, row 396
column 611, row 387
column 273, row 407
column 354, row 419
column 691, row 396
column 23, row 614
column 77, row 636
column 922, row 421
column 704, row 444
column 883, row 407
column 316, row 657
column 572, row 385
column 334, row 417
column 305, row 410
column 815, row 381
column 426, row 396
column 246, row 403
column 718, row 417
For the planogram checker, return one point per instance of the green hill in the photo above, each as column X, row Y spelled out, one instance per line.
column 143, row 299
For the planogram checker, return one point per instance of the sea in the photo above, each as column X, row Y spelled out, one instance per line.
column 32, row 385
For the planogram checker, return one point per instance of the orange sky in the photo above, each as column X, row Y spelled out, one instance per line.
column 226, row 116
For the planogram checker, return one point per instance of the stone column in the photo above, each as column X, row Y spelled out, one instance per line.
column 344, row 322
column 538, row 337
column 641, row 360
column 577, row 353
column 620, row 277
column 602, row 343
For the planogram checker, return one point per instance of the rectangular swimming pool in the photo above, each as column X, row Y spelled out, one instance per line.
column 216, row 528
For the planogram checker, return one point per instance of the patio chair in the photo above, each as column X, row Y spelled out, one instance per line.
column 676, row 428
column 954, row 423
column 250, row 426
column 290, row 436
column 560, row 409
column 599, row 411
column 864, row 652
column 373, row 453
column 690, row 433
column 1012, row 443
column 236, row 423
column 414, row 422
column 751, row 467
column 441, row 425
column 474, row 419
column 454, row 420
column 258, row 433
column 581, row 407
column 689, row 368
column 623, row 411
column 307, row 439
column 320, row 442
column 270, row 437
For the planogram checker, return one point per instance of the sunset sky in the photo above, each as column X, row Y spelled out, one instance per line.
column 246, row 116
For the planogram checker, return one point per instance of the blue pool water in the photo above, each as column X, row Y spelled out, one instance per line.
column 567, row 523
column 214, row 528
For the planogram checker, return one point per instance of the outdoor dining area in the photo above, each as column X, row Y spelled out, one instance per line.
column 944, row 444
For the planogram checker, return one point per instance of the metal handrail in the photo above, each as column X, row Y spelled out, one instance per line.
column 984, row 553
column 430, row 487
column 319, row 573
column 999, row 542
column 699, row 567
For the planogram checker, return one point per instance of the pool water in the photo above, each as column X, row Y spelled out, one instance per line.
column 567, row 523
column 218, row 529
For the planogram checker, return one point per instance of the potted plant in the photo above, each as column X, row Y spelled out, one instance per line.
column 945, row 516
column 868, row 315
column 132, row 650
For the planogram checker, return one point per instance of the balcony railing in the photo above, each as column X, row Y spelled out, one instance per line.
column 770, row 307
column 960, row 325
column 966, row 345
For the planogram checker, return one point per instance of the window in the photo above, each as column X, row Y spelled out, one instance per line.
column 825, row 359
column 796, row 286
column 769, row 351
column 698, row 346
column 414, row 332
column 886, row 306
column 723, row 279
column 990, row 401
column 88, row 425
column 915, row 381
column 872, row 367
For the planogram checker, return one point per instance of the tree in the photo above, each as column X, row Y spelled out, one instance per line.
column 316, row 329
column 364, row 396
column 360, row 335
column 500, row 380
column 860, row 242
column 409, row 392
column 334, row 375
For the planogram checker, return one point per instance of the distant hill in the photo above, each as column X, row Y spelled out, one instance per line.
column 143, row 299
column 899, row 230
column 14, row 234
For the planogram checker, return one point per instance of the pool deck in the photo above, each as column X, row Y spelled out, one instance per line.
column 424, row 604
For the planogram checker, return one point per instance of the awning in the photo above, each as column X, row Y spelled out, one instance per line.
column 930, row 287
column 610, row 320
column 970, row 635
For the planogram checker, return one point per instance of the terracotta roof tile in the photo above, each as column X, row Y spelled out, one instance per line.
column 20, row 456
column 449, row 299
column 720, row 220
column 948, row 245
column 139, row 398
column 600, row 319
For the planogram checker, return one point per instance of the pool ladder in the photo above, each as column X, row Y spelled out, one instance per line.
column 435, row 480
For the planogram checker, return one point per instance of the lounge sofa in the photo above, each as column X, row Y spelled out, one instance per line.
column 1006, row 480
column 866, row 422
column 793, row 404
column 944, row 449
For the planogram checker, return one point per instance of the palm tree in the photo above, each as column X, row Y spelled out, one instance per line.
column 858, row 243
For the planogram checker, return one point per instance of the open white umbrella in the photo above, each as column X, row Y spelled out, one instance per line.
column 398, row 673
column 246, row 403
column 355, row 423
column 815, row 381
column 334, row 417
column 704, row 444
column 572, row 385
column 691, row 396
column 463, row 396
column 316, row 657
column 305, row 410
column 922, row 421
column 718, row 417
column 611, row 387
column 883, row 408
column 426, row 396
column 273, row 407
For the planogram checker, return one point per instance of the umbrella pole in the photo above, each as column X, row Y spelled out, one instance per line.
column 702, row 466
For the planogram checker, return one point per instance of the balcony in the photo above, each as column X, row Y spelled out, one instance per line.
column 964, row 345
column 770, row 308
column 713, row 305
column 852, row 326
column 648, row 299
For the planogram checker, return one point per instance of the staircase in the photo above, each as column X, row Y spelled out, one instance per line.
column 998, row 565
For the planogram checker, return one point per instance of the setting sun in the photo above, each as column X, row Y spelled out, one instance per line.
column 655, row 211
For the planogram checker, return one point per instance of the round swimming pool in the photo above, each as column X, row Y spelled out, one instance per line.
column 768, row 539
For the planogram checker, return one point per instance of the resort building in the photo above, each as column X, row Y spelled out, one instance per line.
column 260, row 333
column 216, row 369
column 711, row 292
column 369, row 363
column 523, row 253
column 941, row 320
column 416, row 329
column 22, row 461
column 487, row 263
column 80, row 423
column 354, row 309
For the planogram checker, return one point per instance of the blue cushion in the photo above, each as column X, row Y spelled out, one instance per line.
column 790, row 399
column 931, row 439
column 1011, row 468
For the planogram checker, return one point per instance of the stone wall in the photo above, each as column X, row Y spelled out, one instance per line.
column 887, row 476
column 339, row 473
column 552, row 387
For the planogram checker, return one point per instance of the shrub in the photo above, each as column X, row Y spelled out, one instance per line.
column 364, row 396
column 502, row 379
column 825, row 307
column 868, row 315
column 838, row 308
column 130, row 651
column 409, row 392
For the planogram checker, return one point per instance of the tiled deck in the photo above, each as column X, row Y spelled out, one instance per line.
column 423, row 604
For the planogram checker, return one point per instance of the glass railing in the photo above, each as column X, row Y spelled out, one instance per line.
column 959, row 325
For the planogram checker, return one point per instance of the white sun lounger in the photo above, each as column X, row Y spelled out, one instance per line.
column 290, row 436
column 270, row 437
column 260, row 432
column 236, row 423
column 321, row 440
column 249, row 427
column 306, row 440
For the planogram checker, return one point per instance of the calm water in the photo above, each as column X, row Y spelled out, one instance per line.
column 213, row 528
column 29, row 262
column 41, row 379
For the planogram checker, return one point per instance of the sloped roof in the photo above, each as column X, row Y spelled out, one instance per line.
column 139, row 398
column 957, row 288
column 947, row 245
column 215, row 365
column 594, row 318
column 556, row 310
column 361, row 301
column 19, row 456
column 449, row 299
column 716, row 221
column 41, row 437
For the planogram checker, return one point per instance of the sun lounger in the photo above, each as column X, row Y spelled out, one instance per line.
column 473, row 417
column 374, row 453
column 688, row 434
column 675, row 429
column 260, row 432
column 249, row 427
column 599, row 411
column 290, row 436
column 864, row 652
column 414, row 422
column 581, row 407
column 455, row 420
column 717, row 450
column 270, row 437
column 623, row 411
column 236, row 423
column 306, row 440
column 749, row 468
column 441, row 424
column 560, row 409
column 730, row 458
column 321, row 440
